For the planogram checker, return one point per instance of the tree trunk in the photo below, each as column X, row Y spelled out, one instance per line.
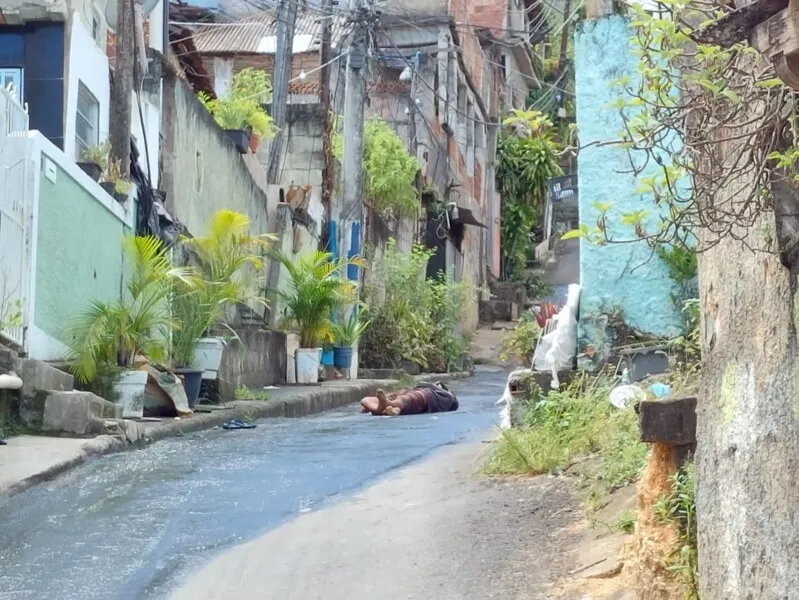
column 748, row 423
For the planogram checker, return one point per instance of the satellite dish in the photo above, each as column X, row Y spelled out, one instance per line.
column 111, row 11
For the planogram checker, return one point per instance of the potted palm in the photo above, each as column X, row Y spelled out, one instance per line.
column 317, row 286
column 229, row 270
column 254, row 85
column 240, row 117
column 346, row 332
column 94, row 160
column 119, row 333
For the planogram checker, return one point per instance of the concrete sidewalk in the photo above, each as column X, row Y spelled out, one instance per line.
column 28, row 460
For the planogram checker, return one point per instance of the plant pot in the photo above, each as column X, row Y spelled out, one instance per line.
column 307, row 364
column 130, row 389
column 192, row 379
column 208, row 356
column 121, row 198
column 254, row 141
column 342, row 357
column 109, row 187
column 240, row 139
column 328, row 358
column 91, row 169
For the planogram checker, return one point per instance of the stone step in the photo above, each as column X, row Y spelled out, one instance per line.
column 78, row 413
column 38, row 380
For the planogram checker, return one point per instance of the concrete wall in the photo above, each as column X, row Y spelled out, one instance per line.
column 86, row 64
column 256, row 359
column 202, row 170
column 626, row 276
column 76, row 246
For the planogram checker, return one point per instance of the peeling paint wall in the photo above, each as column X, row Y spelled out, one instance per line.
column 625, row 276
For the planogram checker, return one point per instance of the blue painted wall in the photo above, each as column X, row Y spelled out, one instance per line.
column 38, row 48
column 626, row 276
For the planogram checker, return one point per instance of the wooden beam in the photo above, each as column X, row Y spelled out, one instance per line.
column 670, row 421
column 737, row 26
column 778, row 39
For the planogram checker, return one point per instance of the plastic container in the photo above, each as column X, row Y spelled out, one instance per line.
column 328, row 358
column 307, row 364
column 130, row 389
column 192, row 380
column 208, row 356
column 342, row 357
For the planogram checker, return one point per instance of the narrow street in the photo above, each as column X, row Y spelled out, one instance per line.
column 285, row 511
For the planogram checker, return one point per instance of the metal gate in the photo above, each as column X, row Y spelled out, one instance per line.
column 13, row 218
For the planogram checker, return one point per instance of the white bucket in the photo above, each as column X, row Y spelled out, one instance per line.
column 130, row 389
column 208, row 356
column 307, row 364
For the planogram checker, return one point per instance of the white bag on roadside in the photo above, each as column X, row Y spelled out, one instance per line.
column 557, row 349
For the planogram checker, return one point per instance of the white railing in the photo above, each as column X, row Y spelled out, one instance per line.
column 13, row 116
column 13, row 217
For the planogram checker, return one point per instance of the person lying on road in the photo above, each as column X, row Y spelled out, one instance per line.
column 424, row 398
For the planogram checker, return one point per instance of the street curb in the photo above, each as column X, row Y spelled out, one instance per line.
column 295, row 403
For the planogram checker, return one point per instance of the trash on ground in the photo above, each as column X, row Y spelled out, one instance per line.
column 238, row 424
column 660, row 390
column 624, row 396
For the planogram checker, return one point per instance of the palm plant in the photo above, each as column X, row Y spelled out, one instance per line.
column 346, row 331
column 115, row 333
column 229, row 271
column 317, row 287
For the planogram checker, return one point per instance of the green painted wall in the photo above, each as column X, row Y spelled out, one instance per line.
column 79, row 252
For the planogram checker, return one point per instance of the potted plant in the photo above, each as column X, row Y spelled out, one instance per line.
column 346, row 332
column 317, row 286
column 122, row 189
column 94, row 160
column 229, row 270
column 192, row 319
column 114, row 183
column 240, row 112
column 254, row 85
column 119, row 333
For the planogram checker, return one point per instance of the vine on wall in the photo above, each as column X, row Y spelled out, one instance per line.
column 527, row 156
column 389, row 169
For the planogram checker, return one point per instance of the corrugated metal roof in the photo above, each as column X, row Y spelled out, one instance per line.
column 255, row 34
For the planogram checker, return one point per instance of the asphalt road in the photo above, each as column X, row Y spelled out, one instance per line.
column 145, row 524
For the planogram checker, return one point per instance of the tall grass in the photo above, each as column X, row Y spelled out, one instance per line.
column 565, row 426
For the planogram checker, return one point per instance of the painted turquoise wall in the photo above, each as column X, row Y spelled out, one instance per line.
column 625, row 276
column 79, row 252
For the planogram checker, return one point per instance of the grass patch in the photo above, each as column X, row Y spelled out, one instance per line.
column 245, row 393
column 568, row 425
column 679, row 507
column 626, row 521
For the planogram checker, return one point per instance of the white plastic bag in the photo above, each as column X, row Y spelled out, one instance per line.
column 624, row 396
column 557, row 349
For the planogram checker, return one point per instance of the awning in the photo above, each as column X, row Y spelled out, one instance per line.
column 465, row 217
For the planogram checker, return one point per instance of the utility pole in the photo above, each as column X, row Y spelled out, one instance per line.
column 352, row 160
column 325, row 100
column 122, row 88
column 351, row 216
column 564, row 37
column 286, row 18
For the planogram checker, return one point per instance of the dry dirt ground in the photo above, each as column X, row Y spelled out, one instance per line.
column 433, row 530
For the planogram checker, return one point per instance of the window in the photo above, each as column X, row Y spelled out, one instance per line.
column 11, row 79
column 97, row 27
column 87, row 121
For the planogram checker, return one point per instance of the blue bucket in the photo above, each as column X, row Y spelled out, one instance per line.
column 327, row 358
column 342, row 357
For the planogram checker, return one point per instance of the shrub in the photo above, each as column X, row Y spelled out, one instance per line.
column 412, row 317
column 520, row 342
column 564, row 426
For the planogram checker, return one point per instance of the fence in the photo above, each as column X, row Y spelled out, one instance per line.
column 13, row 217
